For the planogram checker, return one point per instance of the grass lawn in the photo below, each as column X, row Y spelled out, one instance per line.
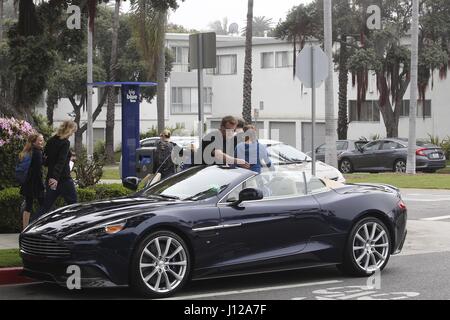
column 111, row 173
column 10, row 258
column 419, row 181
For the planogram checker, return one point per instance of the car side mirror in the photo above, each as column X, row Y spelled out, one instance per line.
column 249, row 194
column 131, row 183
column 360, row 149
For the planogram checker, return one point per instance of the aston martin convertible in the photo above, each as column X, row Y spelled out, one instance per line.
column 216, row 221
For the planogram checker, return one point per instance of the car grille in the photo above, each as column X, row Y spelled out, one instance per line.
column 43, row 247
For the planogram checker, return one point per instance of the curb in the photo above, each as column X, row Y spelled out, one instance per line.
column 13, row 276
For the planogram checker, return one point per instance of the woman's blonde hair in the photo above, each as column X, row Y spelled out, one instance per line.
column 66, row 129
column 165, row 133
column 29, row 145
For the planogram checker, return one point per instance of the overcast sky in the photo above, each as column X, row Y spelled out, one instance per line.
column 197, row 14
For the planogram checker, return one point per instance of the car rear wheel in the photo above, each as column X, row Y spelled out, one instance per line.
column 367, row 249
column 161, row 265
column 400, row 166
column 346, row 166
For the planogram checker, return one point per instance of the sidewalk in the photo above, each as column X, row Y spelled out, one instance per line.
column 9, row 241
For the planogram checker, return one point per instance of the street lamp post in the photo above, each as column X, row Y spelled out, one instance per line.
column 411, row 162
column 330, row 121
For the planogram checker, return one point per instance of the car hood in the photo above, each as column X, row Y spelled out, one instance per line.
column 78, row 217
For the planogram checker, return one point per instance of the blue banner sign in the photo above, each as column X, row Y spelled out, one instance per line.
column 130, row 129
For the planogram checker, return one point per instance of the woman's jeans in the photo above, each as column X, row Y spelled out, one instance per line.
column 65, row 189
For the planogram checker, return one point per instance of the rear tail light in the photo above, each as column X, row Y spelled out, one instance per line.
column 420, row 152
column 402, row 205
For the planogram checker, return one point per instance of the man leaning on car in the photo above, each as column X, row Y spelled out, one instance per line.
column 218, row 146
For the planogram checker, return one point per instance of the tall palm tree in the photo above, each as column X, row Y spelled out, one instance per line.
column 1, row 20
column 247, row 90
column 149, row 27
column 161, row 75
column 112, row 94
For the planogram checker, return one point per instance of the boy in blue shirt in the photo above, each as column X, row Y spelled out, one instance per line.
column 252, row 151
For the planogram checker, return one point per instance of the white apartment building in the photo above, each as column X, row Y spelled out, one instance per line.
column 284, row 107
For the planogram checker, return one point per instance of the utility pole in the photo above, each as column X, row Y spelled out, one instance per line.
column 330, row 121
column 89, row 131
column 411, row 162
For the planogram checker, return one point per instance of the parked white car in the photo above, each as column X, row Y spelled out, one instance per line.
column 285, row 155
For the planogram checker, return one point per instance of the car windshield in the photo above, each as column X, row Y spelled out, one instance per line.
column 283, row 153
column 341, row 145
column 198, row 183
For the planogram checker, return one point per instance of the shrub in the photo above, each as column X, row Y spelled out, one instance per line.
column 444, row 144
column 11, row 201
column 13, row 135
column 88, row 173
column 153, row 132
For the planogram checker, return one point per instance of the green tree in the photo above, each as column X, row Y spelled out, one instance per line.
column 383, row 52
column 112, row 95
column 150, row 23
column 301, row 23
column 28, row 44
column 219, row 27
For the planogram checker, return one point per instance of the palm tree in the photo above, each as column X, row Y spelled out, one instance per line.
column 112, row 94
column 149, row 27
column 1, row 20
column 161, row 74
column 247, row 90
column 261, row 24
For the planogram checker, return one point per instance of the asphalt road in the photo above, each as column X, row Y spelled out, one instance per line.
column 420, row 272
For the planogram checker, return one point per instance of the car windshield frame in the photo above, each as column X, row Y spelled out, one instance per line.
column 283, row 158
column 186, row 185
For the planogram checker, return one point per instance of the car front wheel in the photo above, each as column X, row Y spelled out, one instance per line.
column 346, row 166
column 160, row 265
column 367, row 249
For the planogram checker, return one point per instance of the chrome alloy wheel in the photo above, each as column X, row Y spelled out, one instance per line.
column 371, row 246
column 400, row 166
column 346, row 166
column 163, row 264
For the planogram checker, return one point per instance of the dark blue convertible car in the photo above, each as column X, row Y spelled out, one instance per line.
column 215, row 221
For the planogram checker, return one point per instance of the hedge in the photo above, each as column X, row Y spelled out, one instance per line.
column 11, row 202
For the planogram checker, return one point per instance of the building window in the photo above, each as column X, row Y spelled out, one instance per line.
column 185, row 100
column 369, row 111
column 423, row 110
column 283, row 59
column 99, row 134
column 267, row 60
column 226, row 64
column 181, row 59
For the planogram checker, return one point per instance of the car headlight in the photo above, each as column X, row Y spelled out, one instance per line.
column 98, row 231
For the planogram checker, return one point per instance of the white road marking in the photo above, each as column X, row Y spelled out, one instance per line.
column 426, row 200
column 227, row 293
column 436, row 218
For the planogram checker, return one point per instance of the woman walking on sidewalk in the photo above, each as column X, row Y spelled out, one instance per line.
column 33, row 186
column 57, row 158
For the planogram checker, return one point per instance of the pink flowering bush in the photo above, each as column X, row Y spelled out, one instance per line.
column 13, row 135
